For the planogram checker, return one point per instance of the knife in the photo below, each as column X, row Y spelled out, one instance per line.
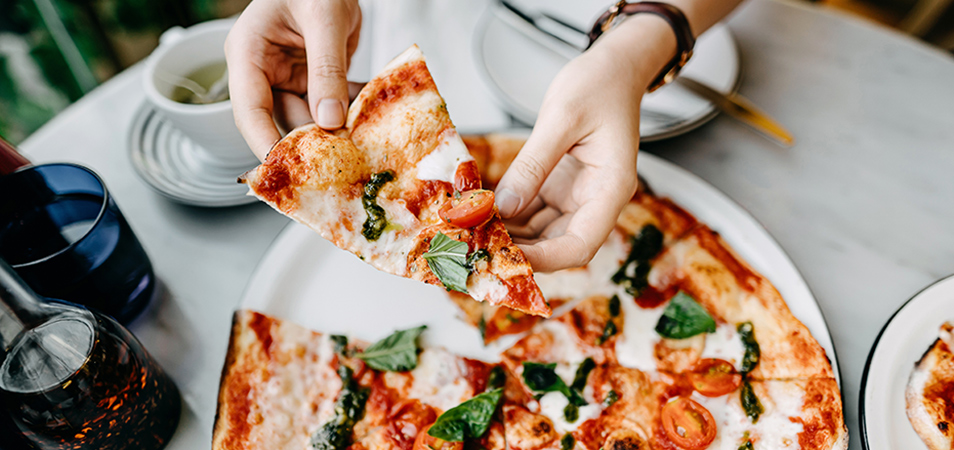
column 738, row 107
column 531, row 26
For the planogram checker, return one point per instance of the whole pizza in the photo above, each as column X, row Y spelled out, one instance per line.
column 666, row 340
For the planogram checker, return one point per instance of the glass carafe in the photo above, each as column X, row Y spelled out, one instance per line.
column 71, row 378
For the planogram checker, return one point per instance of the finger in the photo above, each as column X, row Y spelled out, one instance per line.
column 253, row 109
column 550, row 139
column 551, row 255
column 291, row 111
column 585, row 232
column 354, row 89
column 521, row 219
column 539, row 222
column 326, row 50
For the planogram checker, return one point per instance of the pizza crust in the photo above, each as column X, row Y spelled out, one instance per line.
column 929, row 395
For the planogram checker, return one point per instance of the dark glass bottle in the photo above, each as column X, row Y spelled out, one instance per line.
column 71, row 378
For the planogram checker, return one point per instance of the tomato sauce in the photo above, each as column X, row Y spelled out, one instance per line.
column 651, row 297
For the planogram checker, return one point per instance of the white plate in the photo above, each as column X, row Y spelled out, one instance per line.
column 174, row 166
column 518, row 69
column 305, row 279
column 901, row 343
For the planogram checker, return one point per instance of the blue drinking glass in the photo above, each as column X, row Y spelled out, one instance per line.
column 64, row 235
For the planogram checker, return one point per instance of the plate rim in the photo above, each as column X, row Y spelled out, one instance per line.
column 862, row 416
column 520, row 114
column 272, row 255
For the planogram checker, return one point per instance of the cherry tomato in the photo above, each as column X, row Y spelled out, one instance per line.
column 714, row 377
column 425, row 441
column 469, row 209
column 688, row 424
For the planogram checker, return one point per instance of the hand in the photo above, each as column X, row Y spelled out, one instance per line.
column 280, row 50
column 566, row 187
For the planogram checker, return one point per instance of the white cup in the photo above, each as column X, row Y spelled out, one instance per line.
column 182, row 51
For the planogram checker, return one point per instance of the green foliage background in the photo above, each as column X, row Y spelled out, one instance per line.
column 93, row 25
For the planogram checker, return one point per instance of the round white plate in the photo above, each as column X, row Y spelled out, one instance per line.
column 903, row 340
column 174, row 166
column 305, row 279
column 518, row 64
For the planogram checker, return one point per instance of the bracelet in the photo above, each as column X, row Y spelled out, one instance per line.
column 673, row 16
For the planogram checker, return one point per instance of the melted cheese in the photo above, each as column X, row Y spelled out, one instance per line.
column 438, row 380
column 283, row 408
column 324, row 212
column 564, row 344
column 725, row 344
column 774, row 430
column 552, row 405
column 441, row 164
column 635, row 349
column 486, row 286
column 594, row 279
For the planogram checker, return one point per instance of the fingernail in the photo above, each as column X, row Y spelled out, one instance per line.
column 330, row 114
column 507, row 202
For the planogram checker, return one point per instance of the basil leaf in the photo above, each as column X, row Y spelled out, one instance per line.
column 475, row 257
column 746, row 446
column 335, row 434
column 377, row 221
column 684, row 318
column 571, row 412
column 468, row 420
column 750, row 403
column 582, row 372
column 395, row 353
column 496, row 379
column 608, row 331
column 447, row 258
column 752, row 352
column 614, row 306
column 567, row 442
column 644, row 248
column 647, row 245
column 340, row 344
column 611, row 397
column 543, row 378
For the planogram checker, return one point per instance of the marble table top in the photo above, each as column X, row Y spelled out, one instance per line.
column 862, row 203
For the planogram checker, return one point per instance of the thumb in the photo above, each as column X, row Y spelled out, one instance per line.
column 550, row 139
column 326, row 48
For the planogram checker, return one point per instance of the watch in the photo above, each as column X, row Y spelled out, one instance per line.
column 671, row 14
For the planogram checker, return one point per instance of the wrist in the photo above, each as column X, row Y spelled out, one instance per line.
column 643, row 44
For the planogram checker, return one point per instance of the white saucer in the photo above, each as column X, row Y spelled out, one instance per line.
column 518, row 68
column 901, row 343
column 178, row 168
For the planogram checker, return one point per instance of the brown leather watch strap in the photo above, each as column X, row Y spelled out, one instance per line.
column 672, row 15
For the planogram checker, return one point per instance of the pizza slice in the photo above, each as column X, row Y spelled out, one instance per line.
column 929, row 403
column 278, row 383
column 605, row 405
column 751, row 320
column 284, row 386
column 573, row 394
column 398, row 189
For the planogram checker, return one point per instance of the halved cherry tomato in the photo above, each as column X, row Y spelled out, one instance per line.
column 425, row 441
column 469, row 209
column 713, row 377
column 688, row 424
